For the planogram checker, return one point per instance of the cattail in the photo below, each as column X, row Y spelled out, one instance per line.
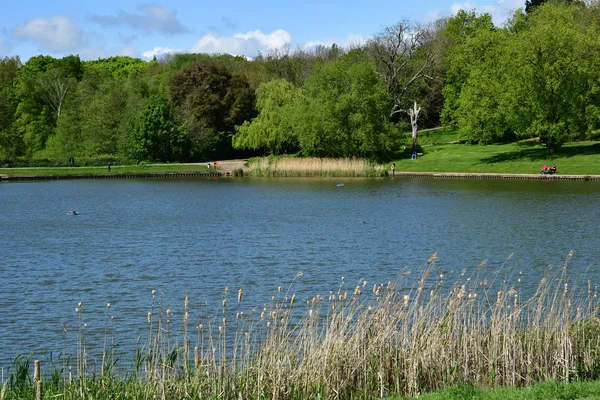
column 186, row 315
column 77, row 310
column 224, row 302
column 153, row 293
column 299, row 273
column 432, row 258
column 262, row 315
column 168, row 313
column 461, row 292
column 357, row 291
column 441, row 276
column 499, row 296
column 224, row 323
column 149, row 317
column 293, row 299
column 80, row 304
column 364, row 283
column 310, row 313
column 240, row 293
column 200, row 327
column 64, row 327
column 186, row 301
column 279, row 290
column 220, row 330
column 406, row 298
column 107, row 305
column 566, row 287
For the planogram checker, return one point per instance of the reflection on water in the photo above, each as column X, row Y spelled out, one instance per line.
column 198, row 236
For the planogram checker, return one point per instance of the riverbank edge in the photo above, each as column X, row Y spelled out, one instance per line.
column 398, row 174
column 132, row 175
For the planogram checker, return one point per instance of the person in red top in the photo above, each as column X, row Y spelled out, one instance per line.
column 544, row 170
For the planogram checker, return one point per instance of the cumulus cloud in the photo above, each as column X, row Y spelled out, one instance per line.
column 151, row 18
column 56, row 34
column 159, row 51
column 499, row 11
column 247, row 44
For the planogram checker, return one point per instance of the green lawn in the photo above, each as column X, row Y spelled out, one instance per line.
column 541, row 391
column 578, row 158
column 125, row 169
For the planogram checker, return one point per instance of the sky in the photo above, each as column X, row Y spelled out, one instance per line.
column 100, row 29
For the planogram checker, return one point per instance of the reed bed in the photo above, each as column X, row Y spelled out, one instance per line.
column 363, row 340
column 276, row 166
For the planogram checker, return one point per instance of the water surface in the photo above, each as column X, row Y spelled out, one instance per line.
column 199, row 236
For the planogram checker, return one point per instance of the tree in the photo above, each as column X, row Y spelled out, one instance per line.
column 211, row 101
column 158, row 138
column 402, row 58
column 272, row 129
column 552, row 76
column 471, row 38
column 343, row 113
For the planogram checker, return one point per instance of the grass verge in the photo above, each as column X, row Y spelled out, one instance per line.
column 577, row 158
column 118, row 169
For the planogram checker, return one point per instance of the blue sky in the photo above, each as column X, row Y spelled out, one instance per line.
column 98, row 29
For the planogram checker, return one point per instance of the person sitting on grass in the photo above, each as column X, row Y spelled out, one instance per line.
column 544, row 170
column 552, row 169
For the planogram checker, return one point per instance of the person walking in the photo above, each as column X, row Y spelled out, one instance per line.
column 109, row 166
column 393, row 169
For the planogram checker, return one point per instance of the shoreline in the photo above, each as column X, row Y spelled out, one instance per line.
column 398, row 174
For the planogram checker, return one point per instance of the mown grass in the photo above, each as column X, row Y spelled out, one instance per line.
column 362, row 340
column 577, row 158
column 115, row 170
column 311, row 166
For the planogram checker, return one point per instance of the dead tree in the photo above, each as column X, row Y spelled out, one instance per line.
column 413, row 113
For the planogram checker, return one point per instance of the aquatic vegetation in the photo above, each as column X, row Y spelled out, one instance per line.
column 361, row 340
column 310, row 166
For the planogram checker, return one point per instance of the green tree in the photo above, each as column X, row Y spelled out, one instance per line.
column 272, row 129
column 158, row 138
column 470, row 38
column 344, row 113
column 552, row 81
column 10, row 143
column 210, row 102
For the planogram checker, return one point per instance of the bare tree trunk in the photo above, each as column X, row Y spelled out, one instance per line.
column 414, row 114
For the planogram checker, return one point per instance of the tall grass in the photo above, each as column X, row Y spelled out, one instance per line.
column 362, row 340
column 309, row 167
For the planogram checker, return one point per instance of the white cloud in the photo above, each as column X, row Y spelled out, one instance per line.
column 56, row 34
column 159, row 51
column 499, row 11
column 247, row 44
column 152, row 18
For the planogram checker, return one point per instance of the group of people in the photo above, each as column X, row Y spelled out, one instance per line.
column 548, row 171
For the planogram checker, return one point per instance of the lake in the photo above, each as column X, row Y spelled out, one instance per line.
column 199, row 236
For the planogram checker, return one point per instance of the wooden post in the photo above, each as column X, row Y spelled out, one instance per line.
column 196, row 357
column 37, row 380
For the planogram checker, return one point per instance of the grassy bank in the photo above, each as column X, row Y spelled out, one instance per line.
column 118, row 169
column 542, row 391
column 362, row 340
column 578, row 158
column 310, row 166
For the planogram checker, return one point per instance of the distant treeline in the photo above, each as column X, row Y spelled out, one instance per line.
column 537, row 76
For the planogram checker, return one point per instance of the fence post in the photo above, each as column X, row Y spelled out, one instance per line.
column 37, row 380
